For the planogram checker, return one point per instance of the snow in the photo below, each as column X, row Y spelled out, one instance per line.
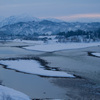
column 11, row 94
column 96, row 54
column 16, row 19
column 33, row 67
column 28, row 41
column 52, row 37
column 60, row 46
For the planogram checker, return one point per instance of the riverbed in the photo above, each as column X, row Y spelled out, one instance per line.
column 77, row 61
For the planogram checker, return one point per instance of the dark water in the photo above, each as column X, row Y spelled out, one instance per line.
column 32, row 85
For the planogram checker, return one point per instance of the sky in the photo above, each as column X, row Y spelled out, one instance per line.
column 68, row 10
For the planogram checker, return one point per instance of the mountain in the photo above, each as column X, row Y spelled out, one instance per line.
column 46, row 27
column 22, row 18
column 40, row 27
column 15, row 19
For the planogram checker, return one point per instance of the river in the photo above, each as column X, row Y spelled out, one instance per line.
column 72, row 61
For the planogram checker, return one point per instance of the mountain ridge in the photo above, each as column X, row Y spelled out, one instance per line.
column 47, row 27
column 25, row 25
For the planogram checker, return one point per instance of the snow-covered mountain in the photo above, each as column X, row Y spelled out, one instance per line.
column 46, row 27
column 15, row 19
column 26, row 25
column 40, row 27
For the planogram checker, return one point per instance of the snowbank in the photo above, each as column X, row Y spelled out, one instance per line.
column 33, row 67
column 11, row 94
column 96, row 54
column 28, row 41
column 60, row 46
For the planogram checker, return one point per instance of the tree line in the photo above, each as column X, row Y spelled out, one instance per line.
column 88, row 34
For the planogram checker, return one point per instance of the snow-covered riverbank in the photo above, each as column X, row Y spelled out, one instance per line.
column 11, row 94
column 33, row 67
column 60, row 46
column 96, row 54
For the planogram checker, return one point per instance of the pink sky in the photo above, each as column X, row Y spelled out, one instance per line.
column 79, row 16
